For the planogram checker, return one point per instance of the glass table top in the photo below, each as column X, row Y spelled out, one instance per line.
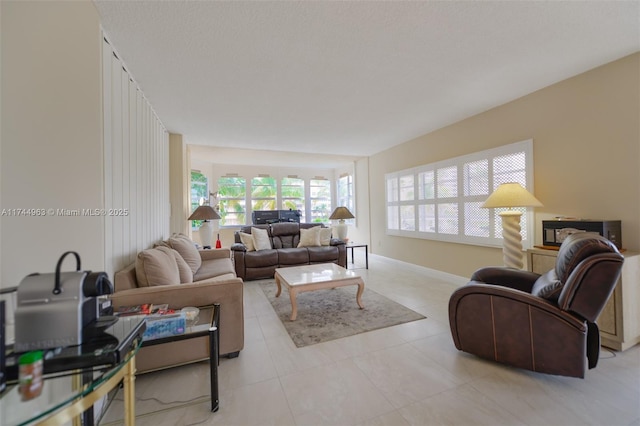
column 102, row 357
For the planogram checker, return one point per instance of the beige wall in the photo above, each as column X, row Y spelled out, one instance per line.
column 586, row 133
column 51, row 136
column 178, row 184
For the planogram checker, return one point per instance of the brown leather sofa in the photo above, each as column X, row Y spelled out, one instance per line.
column 544, row 323
column 213, row 281
column 284, row 238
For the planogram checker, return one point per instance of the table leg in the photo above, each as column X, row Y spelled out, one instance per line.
column 359, row 294
column 353, row 261
column 214, row 359
column 277, row 277
column 294, row 304
column 130, row 393
column 366, row 255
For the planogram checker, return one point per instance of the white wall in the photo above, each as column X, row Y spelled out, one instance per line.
column 136, row 158
column 54, row 151
column 51, row 138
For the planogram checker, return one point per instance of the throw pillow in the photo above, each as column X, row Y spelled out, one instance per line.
column 247, row 240
column 156, row 266
column 310, row 237
column 188, row 251
column 548, row 286
column 261, row 239
column 186, row 275
column 325, row 236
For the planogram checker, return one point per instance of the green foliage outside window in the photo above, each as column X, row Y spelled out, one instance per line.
column 199, row 190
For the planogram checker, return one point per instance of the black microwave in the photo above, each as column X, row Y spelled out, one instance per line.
column 554, row 232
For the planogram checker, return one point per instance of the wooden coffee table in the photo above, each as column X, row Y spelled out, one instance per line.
column 299, row 279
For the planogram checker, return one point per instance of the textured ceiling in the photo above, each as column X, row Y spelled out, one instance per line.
column 352, row 77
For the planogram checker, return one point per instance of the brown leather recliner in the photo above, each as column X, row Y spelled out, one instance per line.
column 544, row 323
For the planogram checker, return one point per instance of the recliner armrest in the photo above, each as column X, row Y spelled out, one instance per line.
column 506, row 277
column 238, row 247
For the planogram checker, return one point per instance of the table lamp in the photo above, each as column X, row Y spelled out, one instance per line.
column 340, row 214
column 511, row 195
column 205, row 213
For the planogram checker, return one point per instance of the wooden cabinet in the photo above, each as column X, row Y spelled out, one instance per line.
column 619, row 321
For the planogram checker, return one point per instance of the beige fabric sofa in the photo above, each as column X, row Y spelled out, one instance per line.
column 161, row 275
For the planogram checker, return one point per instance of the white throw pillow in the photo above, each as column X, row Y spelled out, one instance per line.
column 325, row 236
column 310, row 237
column 261, row 239
column 247, row 240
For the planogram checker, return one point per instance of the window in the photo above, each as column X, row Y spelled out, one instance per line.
column 320, row 198
column 232, row 191
column 292, row 189
column 263, row 193
column 442, row 201
column 199, row 193
column 345, row 195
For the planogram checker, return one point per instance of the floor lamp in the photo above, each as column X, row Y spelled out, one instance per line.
column 511, row 195
column 205, row 213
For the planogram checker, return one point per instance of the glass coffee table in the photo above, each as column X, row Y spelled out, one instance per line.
column 206, row 324
column 299, row 279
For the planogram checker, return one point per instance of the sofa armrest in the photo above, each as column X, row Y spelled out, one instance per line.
column 506, row 277
column 336, row 242
column 221, row 253
column 238, row 247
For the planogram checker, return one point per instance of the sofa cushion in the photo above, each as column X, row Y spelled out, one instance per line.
column 247, row 240
column 156, row 266
column 322, row 254
column 293, row 256
column 548, row 286
column 260, row 259
column 309, row 237
column 261, row 239
column 186, row 275
column 213, row 268
column 188, row 251
column 325, row 236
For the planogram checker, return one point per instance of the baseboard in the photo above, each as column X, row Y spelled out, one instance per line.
column 433, row 273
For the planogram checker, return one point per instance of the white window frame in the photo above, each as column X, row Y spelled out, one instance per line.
column 347, row 200
column 409, row 204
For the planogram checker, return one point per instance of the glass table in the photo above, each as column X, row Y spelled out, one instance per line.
column 76, row 377
column 206, row 324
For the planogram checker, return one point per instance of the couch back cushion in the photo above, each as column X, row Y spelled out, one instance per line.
column 187, row 250
column 285, row 234
column 186, row 274
column 157, row 266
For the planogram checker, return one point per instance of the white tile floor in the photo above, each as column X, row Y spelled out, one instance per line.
column 409, row 374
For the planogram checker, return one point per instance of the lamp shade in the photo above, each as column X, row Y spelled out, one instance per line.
column 204, row 213
column 511, row 194
column 341, row 213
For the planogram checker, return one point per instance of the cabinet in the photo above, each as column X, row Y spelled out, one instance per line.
column 619, row 321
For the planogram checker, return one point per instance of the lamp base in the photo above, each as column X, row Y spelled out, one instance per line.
column 206, row 234
column 340, row 230
column 512, row 239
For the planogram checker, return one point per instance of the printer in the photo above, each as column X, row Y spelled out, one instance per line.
column 57, row 309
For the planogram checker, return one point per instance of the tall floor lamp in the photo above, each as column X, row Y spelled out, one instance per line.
column 511, row 195
column 205, row 213
column 340, row 214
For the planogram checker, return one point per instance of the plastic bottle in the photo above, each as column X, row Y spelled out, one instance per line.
column 30, row 374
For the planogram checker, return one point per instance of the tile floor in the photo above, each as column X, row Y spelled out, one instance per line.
column 409, row 374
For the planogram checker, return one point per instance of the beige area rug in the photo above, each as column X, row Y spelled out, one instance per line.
column 330, row 314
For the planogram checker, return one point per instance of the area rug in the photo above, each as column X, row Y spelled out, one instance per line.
column 330, row 314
